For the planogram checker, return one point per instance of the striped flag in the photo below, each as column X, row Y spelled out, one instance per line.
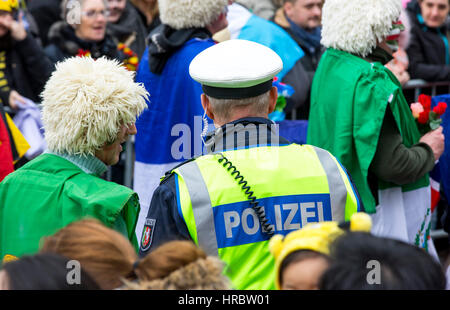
column 13, row 145
column 435, row 182
column 440, row 175
column 6, row 154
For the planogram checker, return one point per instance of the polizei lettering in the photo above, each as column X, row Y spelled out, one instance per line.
column 238, row 223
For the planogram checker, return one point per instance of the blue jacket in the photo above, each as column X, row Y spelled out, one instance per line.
column 174, row 99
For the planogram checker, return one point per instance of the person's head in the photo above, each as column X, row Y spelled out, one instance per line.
column 90, row 107
column 237, row 76
column 104, row 253
column 45, row 271
column 181, row 14
column 112, row 261
column 304, row 13
column 302, row 269
column 7, row 10
column 148, row 7
column 223, row 111
column 358, row 26
column 301, row 256
column 116, row 9
column 434, row 12
column 179, row 265
column 360, row 261
column 87, row 17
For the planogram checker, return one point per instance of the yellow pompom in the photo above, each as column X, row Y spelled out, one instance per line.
column 276, row 245
column 361, row 222
column 9, row 258
column 8, row 5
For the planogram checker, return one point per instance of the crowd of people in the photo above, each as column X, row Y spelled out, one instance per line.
column 220, row 200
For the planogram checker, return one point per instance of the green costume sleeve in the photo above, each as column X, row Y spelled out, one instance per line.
column 349, row 99
column 120, row 226
column 130, row 215
column 394, row 162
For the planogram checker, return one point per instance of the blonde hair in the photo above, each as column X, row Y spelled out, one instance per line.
column 112, row 261
column 357, row 26
column 86, row 101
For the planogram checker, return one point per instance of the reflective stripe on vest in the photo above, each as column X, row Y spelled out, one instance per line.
column 338, row 191
column 202, row 208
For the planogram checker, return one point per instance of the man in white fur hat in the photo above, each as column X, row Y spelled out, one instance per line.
column 175, row 112
column 252, row 183
column 359, row 114
column 89, row 110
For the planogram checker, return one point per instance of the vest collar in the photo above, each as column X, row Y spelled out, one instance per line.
column 244, row 133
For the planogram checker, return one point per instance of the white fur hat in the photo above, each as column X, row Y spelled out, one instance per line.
column 86, row 101
column 356, row 26
column 180, row 14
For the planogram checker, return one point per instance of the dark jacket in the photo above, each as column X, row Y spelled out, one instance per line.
column 27, row 69
column 303, row 72
column 64, row 43
column 394, row 162
column 429, row 59
column 130, row 30
column 163, row 218
column 45, row 13
column 311, row 59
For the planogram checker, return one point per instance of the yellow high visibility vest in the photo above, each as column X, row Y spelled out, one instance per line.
column 294, row 185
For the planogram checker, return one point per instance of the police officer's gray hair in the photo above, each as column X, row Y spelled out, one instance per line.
column 223, row 107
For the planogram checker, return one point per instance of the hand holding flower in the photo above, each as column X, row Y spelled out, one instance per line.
column 427, row 118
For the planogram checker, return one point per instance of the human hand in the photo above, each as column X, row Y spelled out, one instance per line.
column 16, row 28
column 13, row 97
column 435, row 140
column 399, row 71
column 403, row 77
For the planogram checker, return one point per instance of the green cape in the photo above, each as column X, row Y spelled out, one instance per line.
column 50, row 192
column 349, row 97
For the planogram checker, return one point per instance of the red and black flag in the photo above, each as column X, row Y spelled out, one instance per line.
column 6, row 150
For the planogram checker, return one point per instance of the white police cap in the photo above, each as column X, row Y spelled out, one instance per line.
column 236, row 69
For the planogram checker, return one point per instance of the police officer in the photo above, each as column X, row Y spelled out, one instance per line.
column 251, row 183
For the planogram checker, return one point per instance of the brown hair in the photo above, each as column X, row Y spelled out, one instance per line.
column 167, row 258
column 111, row 259
column 104, row 253
column 150, row 9
column 179, row 265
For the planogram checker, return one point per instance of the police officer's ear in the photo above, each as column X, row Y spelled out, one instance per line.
column 273, row 99
column 207, row 106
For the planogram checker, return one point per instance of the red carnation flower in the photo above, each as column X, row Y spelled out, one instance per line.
column 425, row 100
column 423, row 117
column 440, row 108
